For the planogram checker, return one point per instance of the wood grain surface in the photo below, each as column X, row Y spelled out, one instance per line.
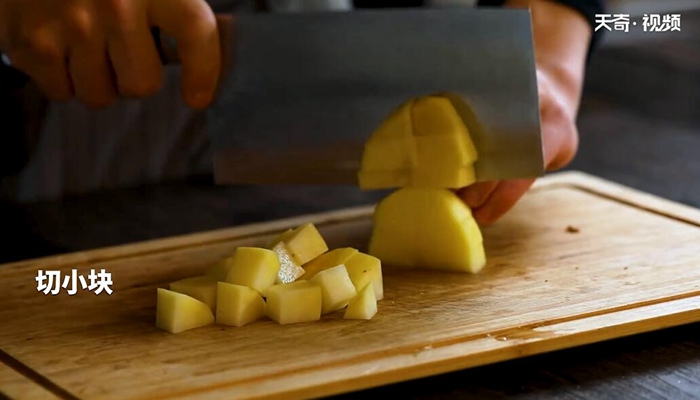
column 579, row 260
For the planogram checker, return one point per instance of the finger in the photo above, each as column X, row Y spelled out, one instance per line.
column 43, row 58
column 501, row 200
column 193, row 26
column 92, row 77
column 476, row 194
column 132, row 51
column 88, row 66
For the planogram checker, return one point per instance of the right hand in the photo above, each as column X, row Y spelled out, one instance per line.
column 98, row 50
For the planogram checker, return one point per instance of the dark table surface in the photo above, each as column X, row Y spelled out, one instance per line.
column 639, row 126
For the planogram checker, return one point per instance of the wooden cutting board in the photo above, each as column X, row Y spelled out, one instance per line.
column 579, row 260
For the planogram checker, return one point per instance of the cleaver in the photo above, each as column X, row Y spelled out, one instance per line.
column 302, row 92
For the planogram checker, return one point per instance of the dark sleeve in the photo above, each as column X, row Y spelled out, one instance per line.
column 587, row 8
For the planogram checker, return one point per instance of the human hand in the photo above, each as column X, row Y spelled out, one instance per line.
column 561, row 38
column 98, row 50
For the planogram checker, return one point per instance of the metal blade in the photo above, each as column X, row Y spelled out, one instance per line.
column 306, row 90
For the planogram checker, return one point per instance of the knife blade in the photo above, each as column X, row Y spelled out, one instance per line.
column 305, row 90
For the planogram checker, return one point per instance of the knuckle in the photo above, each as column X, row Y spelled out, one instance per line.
column 203, row 22
column 81, row 23
column 44, row 46
column 119, row 12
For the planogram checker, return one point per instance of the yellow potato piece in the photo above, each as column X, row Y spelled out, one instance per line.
column 336, row 287
column 238, row 305
column 254, row 267
column 289, row 270
column 439, row 153
column 443, row 151
column 177, row 312
column 202, row 288
column 219, row 271
column 294, row 302
column 364, row 270
column 363, row 306
column 427, row 228
column 397, row 125
column 328, row 260
column 305, row 243
column 435, row 115
column 368, row 180
column 389, row 154
column 446, row 177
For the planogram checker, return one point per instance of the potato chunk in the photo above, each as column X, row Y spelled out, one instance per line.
column 177, row 312
column 328, row 260
column 238, row 305
column 428, row 228
column 305, row 243
column 437, row 151
column 294, row 302
column 363, row 306
column 336, row 287
column 296, row 248
column 289, row 270
column 202, row 288
column 219, row 271
column 254, row 267
column 362, row 268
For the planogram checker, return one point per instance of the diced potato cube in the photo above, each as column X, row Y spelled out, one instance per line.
column 177, row 312
column 363, row 306
column 389, row 154
column 219, row 271
column 254, row 267
column 202, row 288
column 305, row 244
column 294, row 302
column 328, row 260
column 363, row 270
column 368, row 180
column 238, row 305
column 279, row 238
column 289, row 270
column 336, row 286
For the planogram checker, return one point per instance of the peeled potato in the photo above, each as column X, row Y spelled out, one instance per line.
column 428, row 228
column 202, row 288
column 238, row 305
column 177, row 312
column 365, row 270
column 254, row 267
column 295, row 302
column 296, row 247
column 219, row 271
column 362, row 268
column 363, row 306
column 437, row 150
column 328, row 260
column 336, row 287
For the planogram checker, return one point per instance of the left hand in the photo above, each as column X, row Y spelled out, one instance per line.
column 562, row 37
